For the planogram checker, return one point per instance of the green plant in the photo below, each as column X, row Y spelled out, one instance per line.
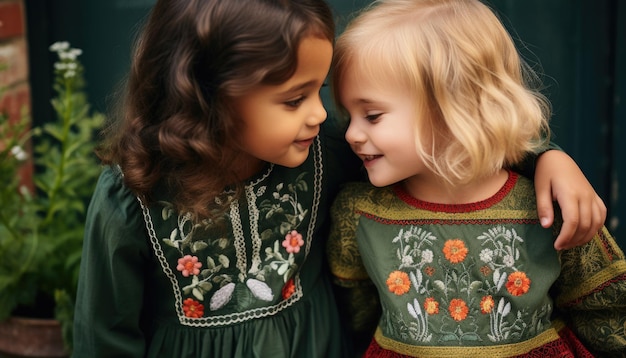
column 41, row 233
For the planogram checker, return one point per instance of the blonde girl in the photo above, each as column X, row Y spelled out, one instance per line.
column 447, row 236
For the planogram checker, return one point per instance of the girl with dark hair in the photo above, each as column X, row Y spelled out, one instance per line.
column 205, row 235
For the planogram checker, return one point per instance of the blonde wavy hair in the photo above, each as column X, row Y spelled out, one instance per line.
column 477, row 109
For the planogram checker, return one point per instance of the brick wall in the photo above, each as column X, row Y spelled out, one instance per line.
column 14, row 80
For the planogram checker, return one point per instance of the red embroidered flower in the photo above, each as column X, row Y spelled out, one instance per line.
column 398, row 282
column 431, row 306
column 458, row 309
column 486, row 304
column 429, row 270
column 288, row 289
column 485, row 270
column 193, row 308
column 189, row 265
column 455, row 251
column 518, row 283
column 293, row 241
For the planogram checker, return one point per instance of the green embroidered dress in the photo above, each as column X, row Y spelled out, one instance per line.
column 474, row 279
column 254, row 285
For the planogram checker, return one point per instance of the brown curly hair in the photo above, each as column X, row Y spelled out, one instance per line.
column 176, row 130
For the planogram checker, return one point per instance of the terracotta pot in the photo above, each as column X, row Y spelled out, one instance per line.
column 31, row 337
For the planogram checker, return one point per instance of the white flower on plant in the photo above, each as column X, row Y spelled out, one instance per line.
column 427, row 256
column 508, row 260
column 19, row 153
column 67, row 67
column 486, row 255
column 407, row 260
column 70, row 54
column 59, row 46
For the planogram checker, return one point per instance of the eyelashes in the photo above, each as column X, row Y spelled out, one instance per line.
column 372, row 117
column 296, row 102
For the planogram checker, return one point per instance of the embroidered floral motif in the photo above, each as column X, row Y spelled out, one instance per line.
column 486, row 304
column 458, row 309
column 398, row 282
column 431, row 306
column 288, row 289
column 221, row 296
column 277, row 262
column 293, row 241
column 260, row 289
column 193, row 308
column 204, row 267
column 455, row 251
column 463, row 284
column 502, row 248
column 189, row 265
column 518, row 284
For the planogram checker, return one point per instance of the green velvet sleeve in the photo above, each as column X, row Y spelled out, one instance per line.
column 110, row 292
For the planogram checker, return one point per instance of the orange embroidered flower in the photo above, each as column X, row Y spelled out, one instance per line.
column 429, row 270
column 288, row 289
column 293, row 241
column 431, row 306
column 189, row 265
column 193, row 308
column 398, row 282
column 487, row 304
column 455, row 250
column 518, row 283
column 458, row 309
column 485, row 270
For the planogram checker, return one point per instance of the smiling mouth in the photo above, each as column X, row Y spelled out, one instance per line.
column 369, row 158
column 305, row 142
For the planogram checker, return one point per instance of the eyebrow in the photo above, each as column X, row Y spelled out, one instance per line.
column 360, row 101
column 298, row 87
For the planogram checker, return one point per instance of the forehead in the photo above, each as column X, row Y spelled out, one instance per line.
column 314, row 58
column 361, row 85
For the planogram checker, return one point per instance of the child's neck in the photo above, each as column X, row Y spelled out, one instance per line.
column 246, row 167
column 433, row 189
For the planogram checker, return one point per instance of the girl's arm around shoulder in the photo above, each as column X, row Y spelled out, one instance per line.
column 591, row 294
column 110, row 287
column 558, row 178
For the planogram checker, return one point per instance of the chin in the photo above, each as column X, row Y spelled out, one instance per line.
column 378, row 183
column 293, row 163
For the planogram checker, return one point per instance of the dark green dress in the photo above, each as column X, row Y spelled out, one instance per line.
column 254, row 285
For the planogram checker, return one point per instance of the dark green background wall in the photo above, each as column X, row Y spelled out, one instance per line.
column 579, row 46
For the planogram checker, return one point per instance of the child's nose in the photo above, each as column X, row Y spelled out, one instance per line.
column 318, row 115
column 354, row 135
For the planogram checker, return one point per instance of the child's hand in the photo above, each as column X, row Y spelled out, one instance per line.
column 557, row 177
